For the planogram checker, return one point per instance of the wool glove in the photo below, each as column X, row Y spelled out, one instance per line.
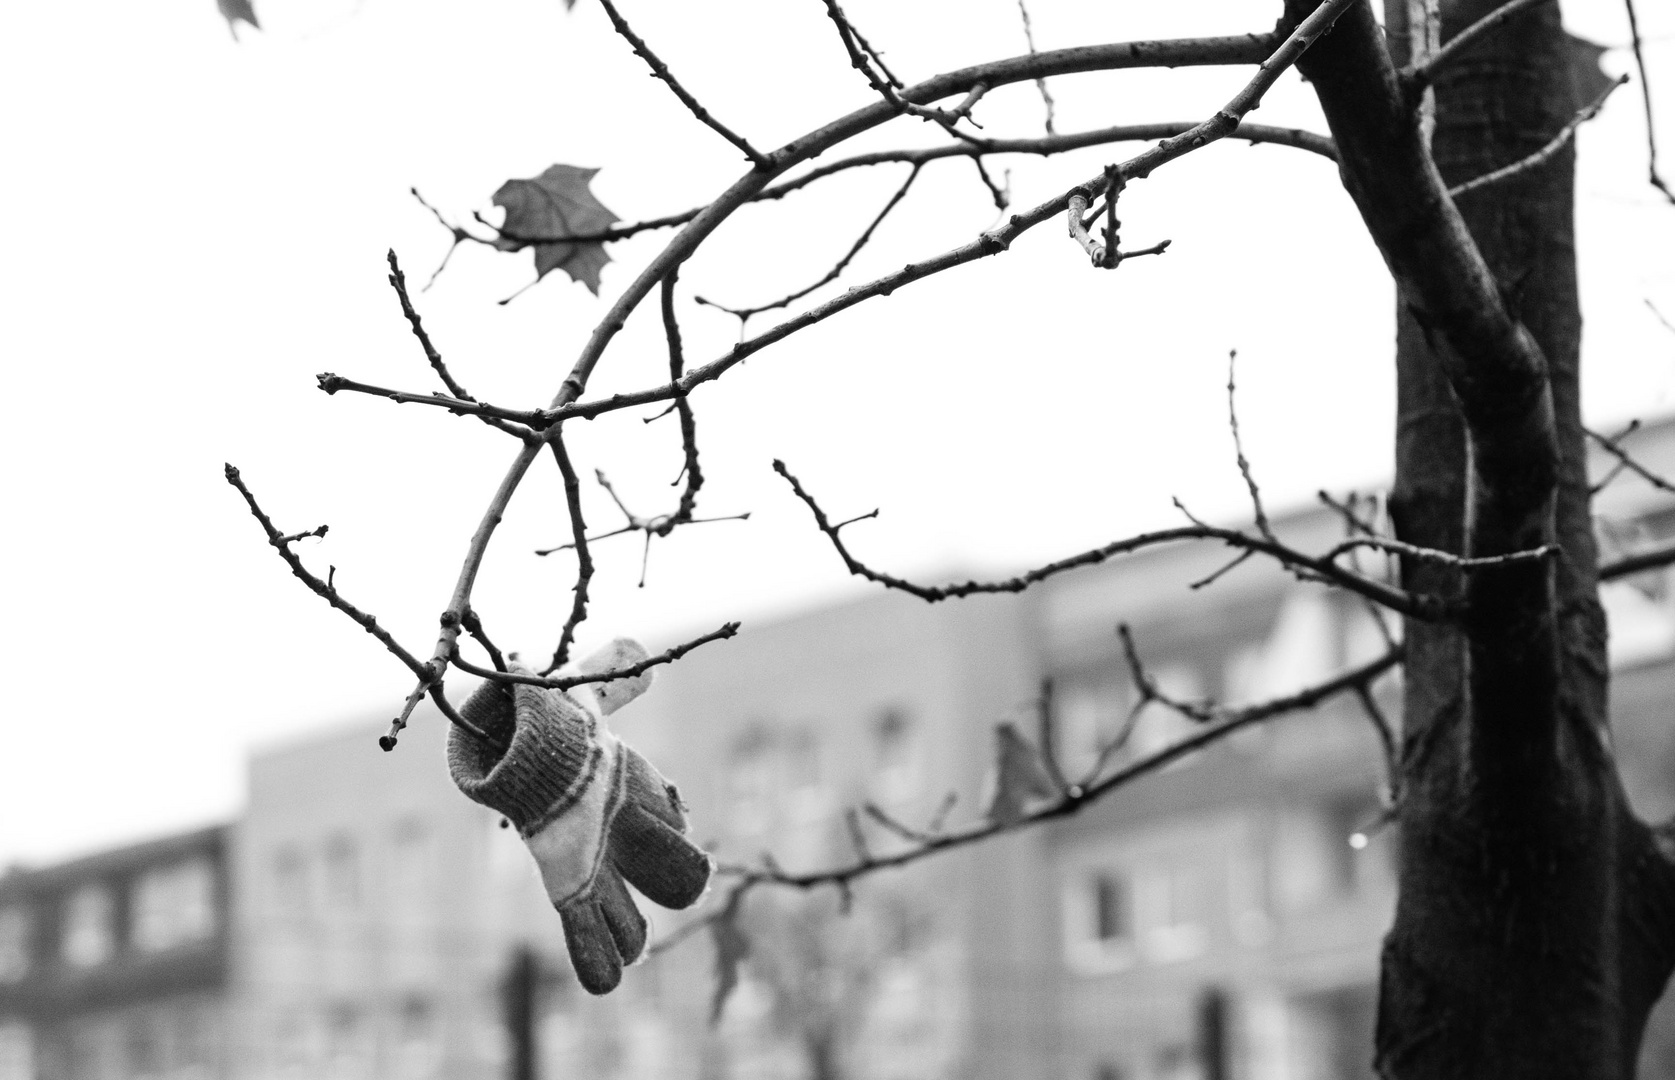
column 591, row 810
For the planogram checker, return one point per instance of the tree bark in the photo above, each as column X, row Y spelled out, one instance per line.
column 1533, row 929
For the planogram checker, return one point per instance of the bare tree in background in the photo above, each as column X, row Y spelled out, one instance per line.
column 1535, row 925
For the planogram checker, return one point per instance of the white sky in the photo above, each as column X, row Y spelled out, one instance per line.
column 194, row 228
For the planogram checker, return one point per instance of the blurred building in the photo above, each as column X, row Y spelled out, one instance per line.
column 1217, row 920
column 116, row 966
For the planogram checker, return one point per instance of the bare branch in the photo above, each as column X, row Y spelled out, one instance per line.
column 565, row 682
column 1611, row 446
column 474, row 627
column 1653, row 176
column 584, row 561
column 661, row 71
column 1262, row 525
column 1651, row 559
column 1553, row 146
column 1658, row 315
column 1423, row 74
column 691, row 471
column 519, row 423
column 398, row 281
column 862, row 59
column 430, row 678
column 925, row 843
column 1218, row 126
column 1418, row 606
column 743, row 314
column 1386, row 732
column 1040, row 84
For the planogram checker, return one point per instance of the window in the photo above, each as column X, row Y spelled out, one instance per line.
column 17, row 1052
column 174, row 906
column 1111, row 916
column 346, row 1041
column 14, row 943
column 415, row 1049
column 896, row 756
column 290, row 881
column 1169, row 902
column 291, row 1043
column 750, row 779
column 804, row 771
column 144, row 1051
column 194, row 1045
column 1098, row 921
column 342, row 873
column 410, row 881
column 88, row 934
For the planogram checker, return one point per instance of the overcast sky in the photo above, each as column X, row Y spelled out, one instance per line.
column 195, row 226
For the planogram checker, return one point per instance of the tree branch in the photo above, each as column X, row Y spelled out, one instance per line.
column 1429, row 608
column 1653, row 176
column 744, row 314
column 430, row 679
column 1557, row 143
column 584, row 561
column 565, row 682
column 924, row 843
column 518, row 423
column 661, row 71
column 1423, row 74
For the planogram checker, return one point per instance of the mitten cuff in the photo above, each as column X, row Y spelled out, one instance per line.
column 553, row 757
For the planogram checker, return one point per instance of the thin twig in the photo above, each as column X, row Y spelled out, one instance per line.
column 1040, row 84
column 690, row 470
column 743, row 314
column 584, row 560
column 862, row 60
column 1295, row 138
column 565, row 682
column 398, row 281
column 460, row 236
column 1423, row 74
column 474, row 626
column 1611, row 446
column 1386, row 741
column 430, row 679
column 993, row 242
column 1072, row 801
column 519, row 423
column 1655, row 178
column 1650, row 559
column 661, row 71
column 1419, row 606
column 1553, row 146
column 1262, row 525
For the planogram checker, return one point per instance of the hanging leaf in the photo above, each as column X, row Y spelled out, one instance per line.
column 235, row 10
column 1020, row 776
column 556, row 204
column 1587, row 78
column 731, row 948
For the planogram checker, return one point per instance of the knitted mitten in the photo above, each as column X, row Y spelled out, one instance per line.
column 591, row 810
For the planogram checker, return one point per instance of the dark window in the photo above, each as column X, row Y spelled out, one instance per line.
column 1111, row 916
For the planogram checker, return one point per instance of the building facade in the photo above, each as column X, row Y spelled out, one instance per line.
column 1219, row 919
column 116, row 966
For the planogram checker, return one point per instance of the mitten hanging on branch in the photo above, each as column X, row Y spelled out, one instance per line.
column 591, row 810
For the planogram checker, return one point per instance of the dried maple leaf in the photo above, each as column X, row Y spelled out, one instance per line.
column 234, row 10
column 1021, row 778
column 556, row 204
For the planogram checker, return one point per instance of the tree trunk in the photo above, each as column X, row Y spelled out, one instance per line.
column 1535, row 925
